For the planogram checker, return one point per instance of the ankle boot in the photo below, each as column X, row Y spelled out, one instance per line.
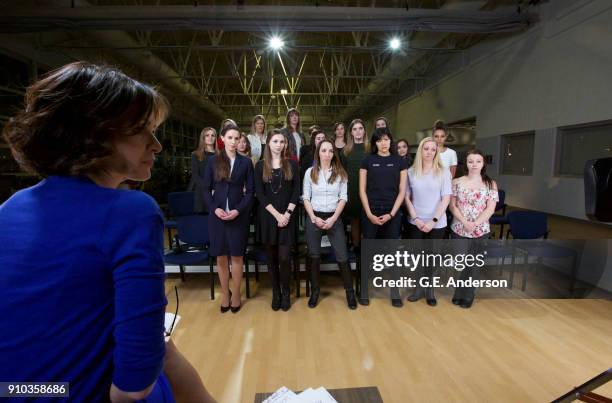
column 285, row 299
column 314, row 297
column 276, row 298
column 429, row 295
column 350, row 298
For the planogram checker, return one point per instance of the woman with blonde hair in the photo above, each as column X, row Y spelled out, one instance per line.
column 199, row 159
column 257, row 137
column 428, row 193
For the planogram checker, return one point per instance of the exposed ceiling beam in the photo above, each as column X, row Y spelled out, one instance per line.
column 30, row 18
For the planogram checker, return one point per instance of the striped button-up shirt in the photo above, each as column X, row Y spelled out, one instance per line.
column 324, row 196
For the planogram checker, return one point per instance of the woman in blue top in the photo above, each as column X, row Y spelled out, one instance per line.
column 228, row 192
column 81, row 263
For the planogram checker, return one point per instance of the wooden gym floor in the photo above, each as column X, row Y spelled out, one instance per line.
column 504, row 349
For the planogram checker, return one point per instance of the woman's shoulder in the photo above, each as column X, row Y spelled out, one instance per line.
column 135, row 203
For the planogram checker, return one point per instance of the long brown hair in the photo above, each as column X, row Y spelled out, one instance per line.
column 336, row 166
column 349, row 138
column 222, row 162
column 267, row 162
column 483, row 173
column 200, row 152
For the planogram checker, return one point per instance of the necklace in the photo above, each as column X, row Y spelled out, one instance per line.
column 278, row 175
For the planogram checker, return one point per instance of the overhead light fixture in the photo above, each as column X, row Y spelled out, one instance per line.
column 283, row 92
column 276, row 43
column 395, row 43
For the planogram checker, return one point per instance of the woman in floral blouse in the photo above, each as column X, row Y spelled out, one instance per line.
column 472, row 204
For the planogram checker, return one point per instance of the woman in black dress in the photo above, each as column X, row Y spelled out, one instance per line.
column 199, row 158
column 228, row 185
column 277, row 186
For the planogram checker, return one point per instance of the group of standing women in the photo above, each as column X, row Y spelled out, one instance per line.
column 370, row 183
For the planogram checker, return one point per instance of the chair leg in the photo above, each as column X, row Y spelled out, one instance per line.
column 573, row 278
column 296, row 271
column 501, row 231
column 212, row 279
column 256, row 271
column 525, row 274
column 182, row 269
column 170, row 239
column 246, row 278
column 308, row 269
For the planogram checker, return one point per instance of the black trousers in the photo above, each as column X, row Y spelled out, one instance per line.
column 425, row 272
column 279, row 265
column 390, row 230
column 472, row 246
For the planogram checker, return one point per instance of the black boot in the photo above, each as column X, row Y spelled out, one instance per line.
column 285, row 299
column 416, row 295
column 314, row 297
column 431, row 299
column 315, row 274
column 276, row 298
column 350, row 298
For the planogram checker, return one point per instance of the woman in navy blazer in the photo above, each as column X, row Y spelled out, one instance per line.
column 228, row 192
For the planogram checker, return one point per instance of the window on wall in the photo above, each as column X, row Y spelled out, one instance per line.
column 578, row 144
column 517, row 154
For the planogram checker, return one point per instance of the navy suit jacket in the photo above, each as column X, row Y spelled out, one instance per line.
column 239, row 189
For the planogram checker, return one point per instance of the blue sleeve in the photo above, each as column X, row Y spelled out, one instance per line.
column 133, row 242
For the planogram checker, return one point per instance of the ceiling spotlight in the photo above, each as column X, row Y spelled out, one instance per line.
column 394, row 43
column 283, row 92
column 276, row 43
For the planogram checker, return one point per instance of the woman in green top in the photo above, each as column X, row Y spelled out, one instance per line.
column 353, row 153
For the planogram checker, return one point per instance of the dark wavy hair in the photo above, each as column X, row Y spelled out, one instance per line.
column 379, row 134
column 73, row 115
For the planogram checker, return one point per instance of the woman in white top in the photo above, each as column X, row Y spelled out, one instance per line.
column 448, row 156
column 257, row 137
column 325, row 195
column 427, row 197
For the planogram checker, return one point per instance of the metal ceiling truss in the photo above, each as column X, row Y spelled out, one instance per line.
column 214, row 61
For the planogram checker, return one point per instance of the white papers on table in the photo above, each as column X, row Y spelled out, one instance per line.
column 168, row 323
column 283, row 395
column 310, row 395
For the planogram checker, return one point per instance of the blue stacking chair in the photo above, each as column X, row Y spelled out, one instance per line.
column 193, row 240
column 179, row 204
column 500, row 219
column 531, row 225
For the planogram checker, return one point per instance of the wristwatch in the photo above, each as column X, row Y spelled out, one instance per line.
column 289, row 211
